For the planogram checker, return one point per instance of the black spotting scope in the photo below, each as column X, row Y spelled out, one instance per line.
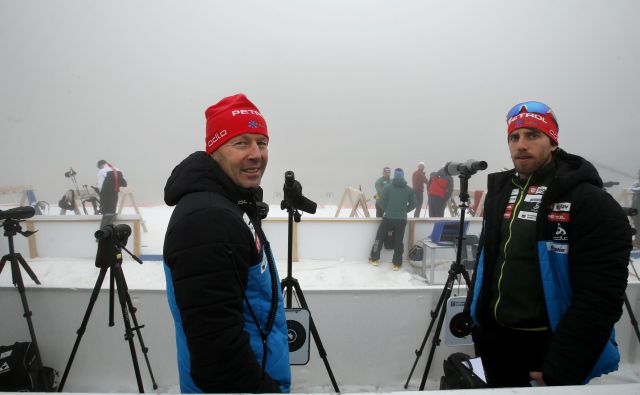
column 467, row 168
column 293, row 197
column 17, row 213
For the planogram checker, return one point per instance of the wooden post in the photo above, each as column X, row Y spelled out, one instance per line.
column 33, row 245
column 127, row 192
column 136, row 237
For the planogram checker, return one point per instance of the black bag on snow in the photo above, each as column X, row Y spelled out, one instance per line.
column 19, row 373
column 416, row 253
column 458, row 373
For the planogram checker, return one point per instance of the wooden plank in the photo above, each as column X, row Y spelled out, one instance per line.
column 33, row 245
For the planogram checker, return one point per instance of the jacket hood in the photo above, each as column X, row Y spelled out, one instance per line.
column 399, row 181
column 201, row 173
column 574, row 169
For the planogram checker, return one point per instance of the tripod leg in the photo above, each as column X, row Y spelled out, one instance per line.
column 634, row 322
column 27, row 268
column 17, row 281
column 83, row 326
column 434, row 314
column 132, row 311
column 128, row 334
column 111, row 296
column 3, row 261
column 314, row 333
column 435, row 341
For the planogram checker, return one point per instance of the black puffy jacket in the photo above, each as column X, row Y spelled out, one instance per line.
column 222, row 285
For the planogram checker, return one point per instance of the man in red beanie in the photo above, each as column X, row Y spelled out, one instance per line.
column 550, row 279
column 222, row 282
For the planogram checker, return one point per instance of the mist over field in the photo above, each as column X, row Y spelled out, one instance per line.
column 346, row 87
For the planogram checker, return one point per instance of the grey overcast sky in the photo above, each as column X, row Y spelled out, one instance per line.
column 346, row 87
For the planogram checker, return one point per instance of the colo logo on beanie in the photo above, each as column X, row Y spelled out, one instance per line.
column 231, row 117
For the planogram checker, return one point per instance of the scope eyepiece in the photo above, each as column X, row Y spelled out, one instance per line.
column 118, row 232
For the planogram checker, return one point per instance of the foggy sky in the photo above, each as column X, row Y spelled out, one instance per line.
column 346, row 87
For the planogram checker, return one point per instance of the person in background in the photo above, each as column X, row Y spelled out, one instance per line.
column 110, row 180
column 380, row 184
column 397, row 200
column 439, row 190
column 635, row 203
column 222, row 281
column 551, row 273
column 418, row 181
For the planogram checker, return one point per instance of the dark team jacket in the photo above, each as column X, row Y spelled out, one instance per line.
column 583, row 267
column 222, row 285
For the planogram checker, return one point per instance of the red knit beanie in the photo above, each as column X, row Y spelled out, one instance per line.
column 231, row 117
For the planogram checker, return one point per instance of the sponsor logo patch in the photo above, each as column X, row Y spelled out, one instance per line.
column 562, row 206
column 558, row 217
column 558, row 248
column 527, row 215
column 533, row 198
column 512, row 199
column 263, row 264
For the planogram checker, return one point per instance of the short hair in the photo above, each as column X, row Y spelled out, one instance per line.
column 101, row 163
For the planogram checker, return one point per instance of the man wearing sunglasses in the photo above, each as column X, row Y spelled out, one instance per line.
column 552, row 265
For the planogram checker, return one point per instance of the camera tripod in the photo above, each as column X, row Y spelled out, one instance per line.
column 294, row 199
column 11, row 228
column 457, row 268
column 109, row 258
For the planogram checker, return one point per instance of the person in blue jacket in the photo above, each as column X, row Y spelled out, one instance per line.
column 552, row 267
column 222, row 282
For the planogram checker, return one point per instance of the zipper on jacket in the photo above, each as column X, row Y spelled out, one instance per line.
column 506, row 244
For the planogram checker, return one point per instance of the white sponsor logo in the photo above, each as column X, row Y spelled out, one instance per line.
column 6, row 354
column 512, row 199
column 263, row 264
column 244, row 112
column 557, row 247
column 561, row 234
column 563, row 206
column 216, row 137
column 529, row 216
column 541, row 190
column 515, row 192
column 528, row 115
column 4, row 368
column 533, row 198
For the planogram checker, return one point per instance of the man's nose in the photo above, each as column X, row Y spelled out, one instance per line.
column 254, row 150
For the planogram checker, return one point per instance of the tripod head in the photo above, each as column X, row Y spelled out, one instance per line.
column 293, row 198
column 112, row 239
column 11, row 220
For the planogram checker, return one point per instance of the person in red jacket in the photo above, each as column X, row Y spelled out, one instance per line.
column 439, row 189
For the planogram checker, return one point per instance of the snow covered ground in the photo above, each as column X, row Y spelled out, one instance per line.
column 313, row 275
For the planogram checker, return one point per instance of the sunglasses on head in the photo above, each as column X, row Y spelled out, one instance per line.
column 531, row 106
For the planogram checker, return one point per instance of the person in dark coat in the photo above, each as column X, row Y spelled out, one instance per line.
column 418, row 181
column 396, row 201
column 222, row 281
column 110, row 180
column 380, row 184
column 552, row 267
